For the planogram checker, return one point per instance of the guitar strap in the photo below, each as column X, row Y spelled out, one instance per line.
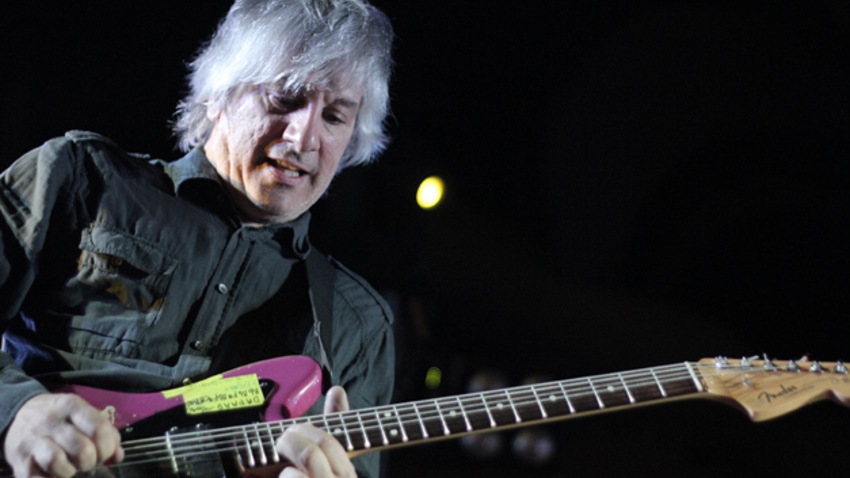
column 320, row 287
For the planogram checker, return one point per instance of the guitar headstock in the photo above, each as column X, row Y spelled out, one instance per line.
column 769, row 388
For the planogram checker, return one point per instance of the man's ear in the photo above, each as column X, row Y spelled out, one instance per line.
column 214, row 111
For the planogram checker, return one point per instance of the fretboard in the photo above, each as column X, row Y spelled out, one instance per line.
column 409, row 423
column 491, row 410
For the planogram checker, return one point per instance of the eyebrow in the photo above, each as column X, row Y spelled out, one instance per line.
column 346, row 102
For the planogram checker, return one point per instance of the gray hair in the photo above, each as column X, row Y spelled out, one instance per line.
column 291, row 44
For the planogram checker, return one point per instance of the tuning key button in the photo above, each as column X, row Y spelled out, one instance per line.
column 793, row 367
column 721, row 362
column 816, row 367
column 768, row 364
column 840, row 367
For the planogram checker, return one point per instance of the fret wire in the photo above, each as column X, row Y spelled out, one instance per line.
column 596, row 394
column 446, row 430
column 384, row 439
column 366, row 443
column 421, row 423
column 348, row 445
column 400, row 425
column 663, row 392
column 463, row 413
column 516, row 413
column 325, row 425
column 694, row 376
column 335, row 432
column 171, row 453
column 263, row 458
column 275, row 455
column 539, row 403
column 487, row 409
column 626, row 387
column 567, row 398
column 251, row 461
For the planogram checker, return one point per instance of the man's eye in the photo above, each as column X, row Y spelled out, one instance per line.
column 334, row 119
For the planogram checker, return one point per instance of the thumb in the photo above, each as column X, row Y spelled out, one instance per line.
column 336, row 400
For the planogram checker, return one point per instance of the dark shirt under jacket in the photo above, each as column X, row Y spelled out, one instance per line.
column 124, row 273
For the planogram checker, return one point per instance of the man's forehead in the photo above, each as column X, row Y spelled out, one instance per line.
column 345, row 93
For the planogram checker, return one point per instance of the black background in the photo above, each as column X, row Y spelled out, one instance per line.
column 628, row 184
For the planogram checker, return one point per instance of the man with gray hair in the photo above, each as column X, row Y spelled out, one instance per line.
column 125, row 273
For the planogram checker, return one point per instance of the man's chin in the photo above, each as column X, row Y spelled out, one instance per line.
column 275, row 213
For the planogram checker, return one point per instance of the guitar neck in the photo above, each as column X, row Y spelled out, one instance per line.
column 448, row 417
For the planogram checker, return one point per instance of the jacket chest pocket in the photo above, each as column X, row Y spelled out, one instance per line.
column 119, row 291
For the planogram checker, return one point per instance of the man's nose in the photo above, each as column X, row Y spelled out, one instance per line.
column 303, row 128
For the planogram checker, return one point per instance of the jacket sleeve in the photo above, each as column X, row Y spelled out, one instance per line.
column 36, row 189
column 363, row 351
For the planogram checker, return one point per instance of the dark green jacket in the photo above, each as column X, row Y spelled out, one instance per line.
column 130, row 274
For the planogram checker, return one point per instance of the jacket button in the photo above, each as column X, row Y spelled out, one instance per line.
column 199, row 346
column 222, row 288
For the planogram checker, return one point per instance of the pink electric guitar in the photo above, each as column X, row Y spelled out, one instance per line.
column 177, row 433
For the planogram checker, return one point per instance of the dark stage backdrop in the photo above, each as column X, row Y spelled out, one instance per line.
column 629, row 184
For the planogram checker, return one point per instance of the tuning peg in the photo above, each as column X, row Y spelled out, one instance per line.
column 816, row 367
column 768, row 364
column 721, row 362
column 748, row 361
column 793, row 367
column 840, row 367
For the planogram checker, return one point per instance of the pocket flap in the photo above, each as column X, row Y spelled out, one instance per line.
column 136, row 252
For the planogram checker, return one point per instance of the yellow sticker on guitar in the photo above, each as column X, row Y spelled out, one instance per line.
column 224, row 394
column 176, row 392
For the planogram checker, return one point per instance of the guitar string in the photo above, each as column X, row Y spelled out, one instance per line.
column 395, row 417
column 704, row 370
column 440, row 410
column 584, row 388
column 376, row 422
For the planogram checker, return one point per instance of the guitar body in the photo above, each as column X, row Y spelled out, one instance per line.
column 292, row 385
column 153, row 425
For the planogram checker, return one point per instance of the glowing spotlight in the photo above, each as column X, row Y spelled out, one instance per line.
column 430, row 192
column 433, row 378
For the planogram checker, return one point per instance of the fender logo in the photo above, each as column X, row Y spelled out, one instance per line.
column 770, row 397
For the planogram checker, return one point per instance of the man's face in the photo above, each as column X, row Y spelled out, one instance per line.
column 279, row 152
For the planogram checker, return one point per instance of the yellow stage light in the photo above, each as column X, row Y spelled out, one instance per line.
column 430, row 192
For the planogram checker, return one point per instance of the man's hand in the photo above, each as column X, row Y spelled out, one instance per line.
column 58, row 435
column 315, row 453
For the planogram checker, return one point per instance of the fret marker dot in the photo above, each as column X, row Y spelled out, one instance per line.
column 500, row 406
column 393, row 432
column 337, row 431
column 388, row 414
column 552, row 397
column 452, row 413
column 611, row 388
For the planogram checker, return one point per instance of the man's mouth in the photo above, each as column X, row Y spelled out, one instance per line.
column 288, row 169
